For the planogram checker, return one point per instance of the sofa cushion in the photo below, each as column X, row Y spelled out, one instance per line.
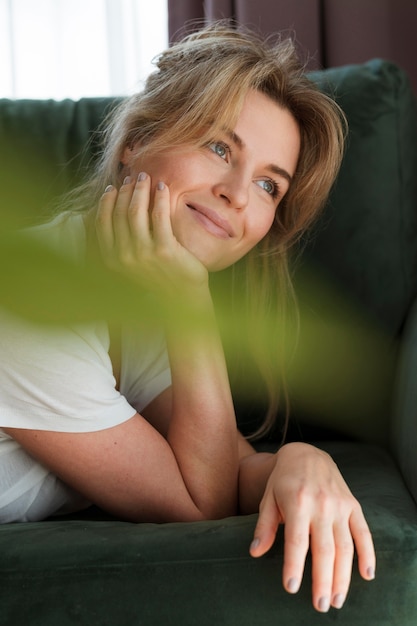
column 110, row 573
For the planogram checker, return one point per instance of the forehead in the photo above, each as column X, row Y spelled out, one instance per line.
column 267, row 131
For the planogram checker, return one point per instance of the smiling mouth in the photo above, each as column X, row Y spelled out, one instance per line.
column 213, row 223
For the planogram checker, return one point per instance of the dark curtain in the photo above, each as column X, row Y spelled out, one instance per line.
column 328, row 32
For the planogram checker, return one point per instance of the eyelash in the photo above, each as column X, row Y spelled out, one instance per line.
column 227, row 151
column 213, row 145
column 274, row 193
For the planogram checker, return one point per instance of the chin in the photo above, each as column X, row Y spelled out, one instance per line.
column 211, row 252
column 218, row 265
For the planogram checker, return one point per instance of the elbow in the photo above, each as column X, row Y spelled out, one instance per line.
column 209, row 511
column 218, row 511
column 191, row 513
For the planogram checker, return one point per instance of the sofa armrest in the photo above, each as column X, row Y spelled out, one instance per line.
column 404, row 419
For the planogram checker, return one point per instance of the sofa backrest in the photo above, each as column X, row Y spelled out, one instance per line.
column 357, row 275
column 46, row 147
column 367, row 238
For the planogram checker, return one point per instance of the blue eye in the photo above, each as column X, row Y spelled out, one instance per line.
column 219, row 148
column 269, row 186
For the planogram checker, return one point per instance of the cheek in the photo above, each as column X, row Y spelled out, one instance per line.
column 173, row 168
column 259, row 226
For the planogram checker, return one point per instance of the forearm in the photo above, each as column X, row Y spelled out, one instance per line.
column 202, row 430
column 254, row 472
column 134, row 230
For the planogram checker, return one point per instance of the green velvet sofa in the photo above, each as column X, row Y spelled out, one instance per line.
column 353, row 383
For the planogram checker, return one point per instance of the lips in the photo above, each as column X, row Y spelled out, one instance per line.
column 213, row 222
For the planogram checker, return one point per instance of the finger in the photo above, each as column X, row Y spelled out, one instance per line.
column 364, row 544
column 297, row 541
column 161, row 217
column 323, row 562
column 120, row 220
column 138, row 213
column 342, row 565
column 104, row 220
column 266, row 528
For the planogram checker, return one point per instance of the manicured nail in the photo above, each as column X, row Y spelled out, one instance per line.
column 293, row 585
column 255, row 543
column 126, row 180
column 160, row 186
column 108, row 188
column 338, row 601
column 370, row 572
column 324, row 605
column 141, row 176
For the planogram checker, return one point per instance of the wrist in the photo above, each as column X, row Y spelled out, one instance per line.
column 189, row 309
column 296, row 449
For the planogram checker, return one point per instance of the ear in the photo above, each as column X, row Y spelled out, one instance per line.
column 126, row 157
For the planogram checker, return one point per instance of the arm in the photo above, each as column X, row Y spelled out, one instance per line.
column 202, row 427
column 131, row 470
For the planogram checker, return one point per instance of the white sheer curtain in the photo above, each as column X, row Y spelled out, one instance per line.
column 76, row 48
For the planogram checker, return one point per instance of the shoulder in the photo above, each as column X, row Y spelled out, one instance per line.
column 65, row 234
column 57, row 378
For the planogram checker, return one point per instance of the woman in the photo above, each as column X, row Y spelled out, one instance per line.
column 228, row 154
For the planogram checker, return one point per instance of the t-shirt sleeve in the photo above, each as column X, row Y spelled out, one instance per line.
column 145, row 370
column 59, row 379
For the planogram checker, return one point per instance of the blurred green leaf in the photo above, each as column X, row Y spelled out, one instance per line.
column 339, row 376
column 45, row 287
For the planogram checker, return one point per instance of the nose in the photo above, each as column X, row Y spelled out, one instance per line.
column 234, row 190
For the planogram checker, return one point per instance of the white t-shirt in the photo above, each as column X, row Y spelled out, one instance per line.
column 61, row 379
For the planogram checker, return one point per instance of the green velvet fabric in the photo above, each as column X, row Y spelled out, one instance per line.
column 109, row 573
column 404, row 423
column 356, row 282
column 367, row 239
column 357, row 276
column 55, row 142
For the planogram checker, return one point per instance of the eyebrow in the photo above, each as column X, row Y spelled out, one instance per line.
column 275, row 169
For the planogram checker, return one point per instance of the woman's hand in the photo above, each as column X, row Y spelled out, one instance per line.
column 306, row 492
column 135, row 236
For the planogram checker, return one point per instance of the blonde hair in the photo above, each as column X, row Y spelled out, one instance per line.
column 198, row 89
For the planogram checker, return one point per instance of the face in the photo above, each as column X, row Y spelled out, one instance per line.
column 224, row 195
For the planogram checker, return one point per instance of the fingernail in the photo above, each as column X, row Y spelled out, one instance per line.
column 126, row 180
column 108, row 188
column 255, row 543
column 141, row 176
column 160, row 186
column 370, row 572
column 338, row 601
column 293, row 585
column 324, row 605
